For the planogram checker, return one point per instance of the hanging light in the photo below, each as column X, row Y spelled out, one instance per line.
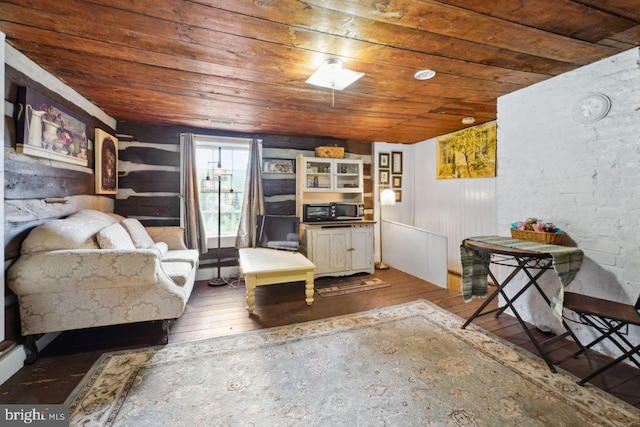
column 208, row 185
column 230, row 196
column 332, row 76
column 219, row 168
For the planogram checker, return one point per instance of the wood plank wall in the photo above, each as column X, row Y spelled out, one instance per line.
column 148, row 182
column 149, row 166
column 30, row 183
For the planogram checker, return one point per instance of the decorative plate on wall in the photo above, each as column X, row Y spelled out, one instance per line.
column 591, row 108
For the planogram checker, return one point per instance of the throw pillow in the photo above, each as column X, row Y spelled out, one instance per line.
column 161, row 248
column 139, row 235
column 114, row 237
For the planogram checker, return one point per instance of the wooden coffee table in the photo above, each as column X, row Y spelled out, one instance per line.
column 261, row 266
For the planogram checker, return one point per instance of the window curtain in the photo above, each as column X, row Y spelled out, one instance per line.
column 253, row 203
column 195, row 235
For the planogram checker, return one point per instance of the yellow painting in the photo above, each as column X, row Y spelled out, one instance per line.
column 469, row 153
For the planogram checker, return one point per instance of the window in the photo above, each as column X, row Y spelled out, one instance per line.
column 222, row 173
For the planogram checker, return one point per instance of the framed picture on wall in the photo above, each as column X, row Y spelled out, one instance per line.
column 383, row 160
column 46, row 129
column 106, row 167
column 278, row 166
column 396, row 182
column 398, row 195
column 383, row 177
column 396, row 162
column 468, row 153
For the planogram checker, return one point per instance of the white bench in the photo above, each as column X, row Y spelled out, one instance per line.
column 261, row 266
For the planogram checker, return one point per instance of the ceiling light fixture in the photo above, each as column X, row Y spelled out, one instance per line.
column 424, row 74
column 332, row 76
column 469, row 120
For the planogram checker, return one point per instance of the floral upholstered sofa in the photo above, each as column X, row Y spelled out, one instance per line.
column 96, row 269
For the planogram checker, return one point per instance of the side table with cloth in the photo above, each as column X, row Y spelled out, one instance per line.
column 531, row 258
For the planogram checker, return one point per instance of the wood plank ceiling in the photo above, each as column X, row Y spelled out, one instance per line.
column 241, row 65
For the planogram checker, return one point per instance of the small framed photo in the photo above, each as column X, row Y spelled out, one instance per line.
column 278, row 166
column 398, row 195
column 106, row 163
column 396, row 182
column 383, row 177
column 396, row 162
column 383, row 160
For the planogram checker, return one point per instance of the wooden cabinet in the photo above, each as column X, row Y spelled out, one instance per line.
column 339, row 249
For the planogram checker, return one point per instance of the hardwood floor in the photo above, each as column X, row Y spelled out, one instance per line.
column 218, row 311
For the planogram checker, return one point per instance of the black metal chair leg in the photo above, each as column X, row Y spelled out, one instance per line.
column 597, row 372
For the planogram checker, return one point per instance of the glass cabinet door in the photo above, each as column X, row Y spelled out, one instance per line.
column 348, row 175
column 318, row 173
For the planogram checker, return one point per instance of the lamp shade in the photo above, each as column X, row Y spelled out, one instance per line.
column 387, row 197
column 332, row 76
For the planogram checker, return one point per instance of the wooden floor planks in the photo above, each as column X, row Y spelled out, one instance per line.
column 220, row 311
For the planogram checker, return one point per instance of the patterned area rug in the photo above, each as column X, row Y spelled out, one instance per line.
column 352, row 286
column 406, row 365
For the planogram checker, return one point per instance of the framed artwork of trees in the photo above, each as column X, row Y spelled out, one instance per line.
column 469, row 153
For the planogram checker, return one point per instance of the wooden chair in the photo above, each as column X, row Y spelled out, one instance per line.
column 611, row 320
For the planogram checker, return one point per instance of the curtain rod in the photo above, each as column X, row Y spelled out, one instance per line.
column 223, row 139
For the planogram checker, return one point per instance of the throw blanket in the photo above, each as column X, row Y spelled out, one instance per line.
column 566, row 262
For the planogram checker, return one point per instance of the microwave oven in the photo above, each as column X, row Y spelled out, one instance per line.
column 332, row 212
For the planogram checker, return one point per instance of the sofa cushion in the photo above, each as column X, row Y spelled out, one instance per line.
column 139, row 235
column 114, row 237
column 178, row 271
column 77, row 231
column 161, row 248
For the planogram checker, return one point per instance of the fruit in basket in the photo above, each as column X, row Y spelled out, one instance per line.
column 538, row 226
column 528, row 224
column 533, row 224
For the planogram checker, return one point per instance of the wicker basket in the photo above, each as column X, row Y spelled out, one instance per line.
column 535, row 236
column 331, row 152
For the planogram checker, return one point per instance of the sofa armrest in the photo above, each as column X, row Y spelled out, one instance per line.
column 75, row 269
column 172, row 236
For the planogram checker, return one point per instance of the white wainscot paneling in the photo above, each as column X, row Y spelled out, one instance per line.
column 415, row 251
column 456, row 208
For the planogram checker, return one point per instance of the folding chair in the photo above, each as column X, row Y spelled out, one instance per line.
column 611, row 319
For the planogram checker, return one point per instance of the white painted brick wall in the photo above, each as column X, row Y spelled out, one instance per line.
column 583, row 177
